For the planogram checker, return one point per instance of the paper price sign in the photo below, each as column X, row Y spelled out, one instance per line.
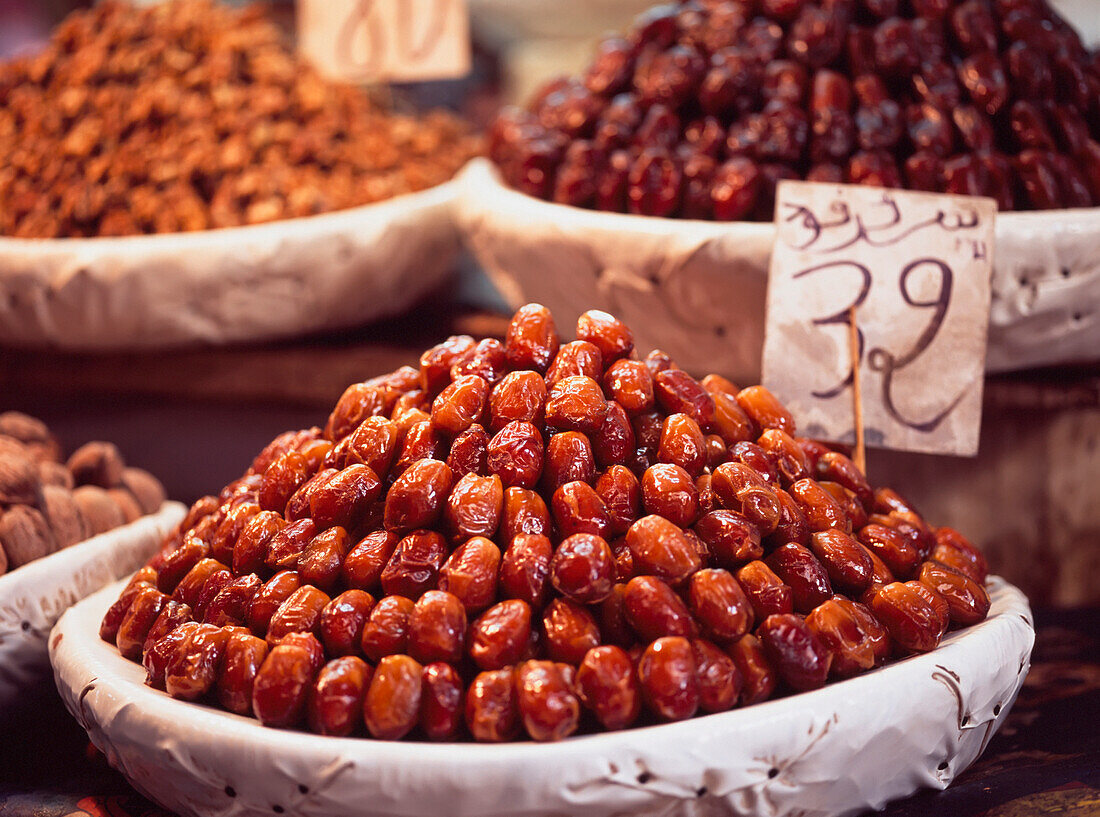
column 914, row 269
column 386, row 40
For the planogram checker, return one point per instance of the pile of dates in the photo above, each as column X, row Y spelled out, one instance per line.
column 537, row 538
column 704, row 106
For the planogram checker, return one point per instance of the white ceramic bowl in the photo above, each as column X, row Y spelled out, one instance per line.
column 254, row 283
column 696, row 288
column 35, row 595
column 839, row 750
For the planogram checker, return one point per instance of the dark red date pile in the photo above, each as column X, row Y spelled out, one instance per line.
column 531, row 537
column 703, row 106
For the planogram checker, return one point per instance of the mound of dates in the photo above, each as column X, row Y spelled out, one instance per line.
column 703, row 106
column 536, row 538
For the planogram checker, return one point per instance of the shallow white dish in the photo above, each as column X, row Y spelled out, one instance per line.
column 254, row 283
column 840, row 750
column 696, row 288
column 35, row 595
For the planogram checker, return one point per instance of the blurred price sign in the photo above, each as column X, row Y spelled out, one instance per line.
column 386, row 40
column 914, row 270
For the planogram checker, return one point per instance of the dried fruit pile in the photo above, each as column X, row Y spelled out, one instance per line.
column 47, row 505
column 530, row 537
column 191, row 115
column 703, row 106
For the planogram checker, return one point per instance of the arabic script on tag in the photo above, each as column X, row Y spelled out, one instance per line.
column 386, row 40
column 917, row 269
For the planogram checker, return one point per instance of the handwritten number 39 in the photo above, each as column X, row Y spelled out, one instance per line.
column 879, row 359
column 842, row 317
column 882, row 361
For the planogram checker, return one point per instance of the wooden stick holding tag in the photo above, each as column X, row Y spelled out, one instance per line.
column 857, row 391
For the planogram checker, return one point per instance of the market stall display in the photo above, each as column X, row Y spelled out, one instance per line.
column 535, row 538
column 700, row 108
column 543, row 572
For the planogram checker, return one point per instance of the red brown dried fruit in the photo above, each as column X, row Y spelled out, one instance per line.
column 231, row 604
column 414, row 566
column 244, row 655
column 525, row 568
column 545, row 700
column 335, row 705
column 717, row 676
column 730, row 538
column 800, row 659
column 758, row 675
column 193, row 667
column 576, row 359
column 913, row 621
column 469, row 452
column 800, row 570
column 583, row 568
column 441, row 702
column 364, row 563
column 460, row 404
column 437, row 628
column 607, row 685
column 720, row 605
column 416, row 499
column 955, row 550
column 854, row 637
column 660, row 547
column 666, row 673
column 474, row 506
column 654, row 583
column 269, row 598
column 492, row 712
column 516, row 454
column 967, row 600
column 570, row 631
column 519, row 396
column 391, row 707
column 669, row 491
column 500, row 636
column 386, row 631
column 643, row 95
column 299, row 613
column 741, row 489
column 653, row 609
column 343, row 620
column 532, row 338
column 767, row 593
column 568, row 457
column 322, row 560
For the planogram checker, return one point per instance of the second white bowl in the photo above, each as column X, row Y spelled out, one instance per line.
column 239, row 284
column 696, row 288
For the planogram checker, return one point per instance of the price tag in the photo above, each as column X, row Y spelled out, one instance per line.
column 914, row 269
column 386, row 40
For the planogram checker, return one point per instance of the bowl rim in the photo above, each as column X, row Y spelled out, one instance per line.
column 482, row 171
column 13, row 582
column 124, row 681
column 310, row 226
